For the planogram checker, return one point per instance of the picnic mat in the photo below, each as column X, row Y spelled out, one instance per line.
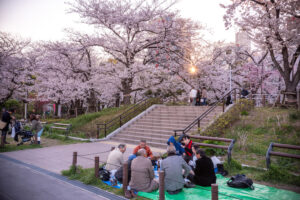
column 261, row 192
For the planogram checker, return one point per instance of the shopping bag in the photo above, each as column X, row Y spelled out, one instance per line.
column 13, row 132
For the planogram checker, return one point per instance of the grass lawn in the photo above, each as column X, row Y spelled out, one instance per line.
column 253, row 134
column 84, row 126
column 46, row 141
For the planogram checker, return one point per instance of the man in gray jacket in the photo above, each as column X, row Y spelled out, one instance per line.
column 172, row 166
column 142, row 173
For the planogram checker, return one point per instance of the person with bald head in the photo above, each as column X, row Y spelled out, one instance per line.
column 142, row 173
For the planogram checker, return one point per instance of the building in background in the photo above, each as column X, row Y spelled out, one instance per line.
column 242, row 38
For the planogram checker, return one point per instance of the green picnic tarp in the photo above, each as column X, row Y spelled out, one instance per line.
column 261, row 192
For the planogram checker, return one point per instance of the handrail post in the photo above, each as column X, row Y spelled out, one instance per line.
column 198, row 125
column 175, row 133
column 263, row 100
column 96, row 166
column 120, row 120
column 214, row 192
column 98, row 131
column 105, row 130
column 223, row 105
column 125, row 176
column 161, row 185
column 234, row 95
column 268, row 159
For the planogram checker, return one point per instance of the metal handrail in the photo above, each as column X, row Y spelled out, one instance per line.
column 118, row 120
column 213, row 106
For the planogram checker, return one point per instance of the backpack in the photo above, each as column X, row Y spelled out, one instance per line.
column 240, row 181
column 104, row 174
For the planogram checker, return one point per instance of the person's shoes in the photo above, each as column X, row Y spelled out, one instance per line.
column 189, row 185
column 174, row 192
column 133, row 194
column 128, row 194
column 114, row 182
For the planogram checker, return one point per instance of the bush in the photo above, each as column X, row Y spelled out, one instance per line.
column 294, row 116
column 214, row 151
column 244, row 113
column 226, row 119
column 12, row 103
column 276, row 173
column 233, row 166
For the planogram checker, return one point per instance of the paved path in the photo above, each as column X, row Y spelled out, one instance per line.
column 58, row 158
column 34, row 174
column 18, row 181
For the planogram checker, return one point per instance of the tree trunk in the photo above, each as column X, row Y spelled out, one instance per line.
column 127, row 89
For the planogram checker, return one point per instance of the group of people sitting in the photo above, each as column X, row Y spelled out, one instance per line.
column 185, row 162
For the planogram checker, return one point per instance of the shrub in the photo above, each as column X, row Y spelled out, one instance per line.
column 294, row 116
column 276, row 173
column 12, row 103
column 233, row 166
column 226, row 119
column 244, row 113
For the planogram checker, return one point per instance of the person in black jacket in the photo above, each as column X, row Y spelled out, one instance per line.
column 204, row 171
column 6, row 117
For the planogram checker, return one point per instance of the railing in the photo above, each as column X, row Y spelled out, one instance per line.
column 125, row 116
column 228, row 148
column 274, row 153
column 209, row 110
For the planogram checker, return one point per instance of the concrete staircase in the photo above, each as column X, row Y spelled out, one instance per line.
column 159, row 124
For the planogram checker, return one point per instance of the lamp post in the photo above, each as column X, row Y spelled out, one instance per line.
column 230, row 77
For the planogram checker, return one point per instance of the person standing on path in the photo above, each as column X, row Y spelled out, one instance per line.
column 6, row 117
column 204, row 96
column 193, row 96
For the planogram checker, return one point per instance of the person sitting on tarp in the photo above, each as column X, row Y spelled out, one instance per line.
column 188, row 155
column 143, row 145
column 192, row 162
column 179, row 149
column 115, row 159
column 173, row 166
column 142, row 173
column 119, row 173
column 204, row 171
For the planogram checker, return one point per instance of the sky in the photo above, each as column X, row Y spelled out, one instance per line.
column 47, row 19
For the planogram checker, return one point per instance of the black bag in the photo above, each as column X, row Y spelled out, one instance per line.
column 104, row 174
column 240, row 181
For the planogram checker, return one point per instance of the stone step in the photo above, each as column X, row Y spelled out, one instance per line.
column 132, row 141
column 145, row 134
column 184, row 107
column 152, row 130
column 138, row 137
column 168, row 124
column 166, row 120
column 165, row 128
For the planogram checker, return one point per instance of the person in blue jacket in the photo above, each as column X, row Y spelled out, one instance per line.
column 179, row 149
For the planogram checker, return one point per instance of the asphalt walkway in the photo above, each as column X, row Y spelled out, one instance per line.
column 35, row 173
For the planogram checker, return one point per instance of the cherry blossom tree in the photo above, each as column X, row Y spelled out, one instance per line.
column 15, row 71
column 129, row 32
column 273, row 25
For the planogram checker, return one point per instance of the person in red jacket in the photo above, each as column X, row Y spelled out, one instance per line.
column 188, row 143
column 143, row 145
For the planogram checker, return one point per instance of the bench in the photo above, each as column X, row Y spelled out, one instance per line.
column 228, row 148
column 270, row 152
column 61, row 126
